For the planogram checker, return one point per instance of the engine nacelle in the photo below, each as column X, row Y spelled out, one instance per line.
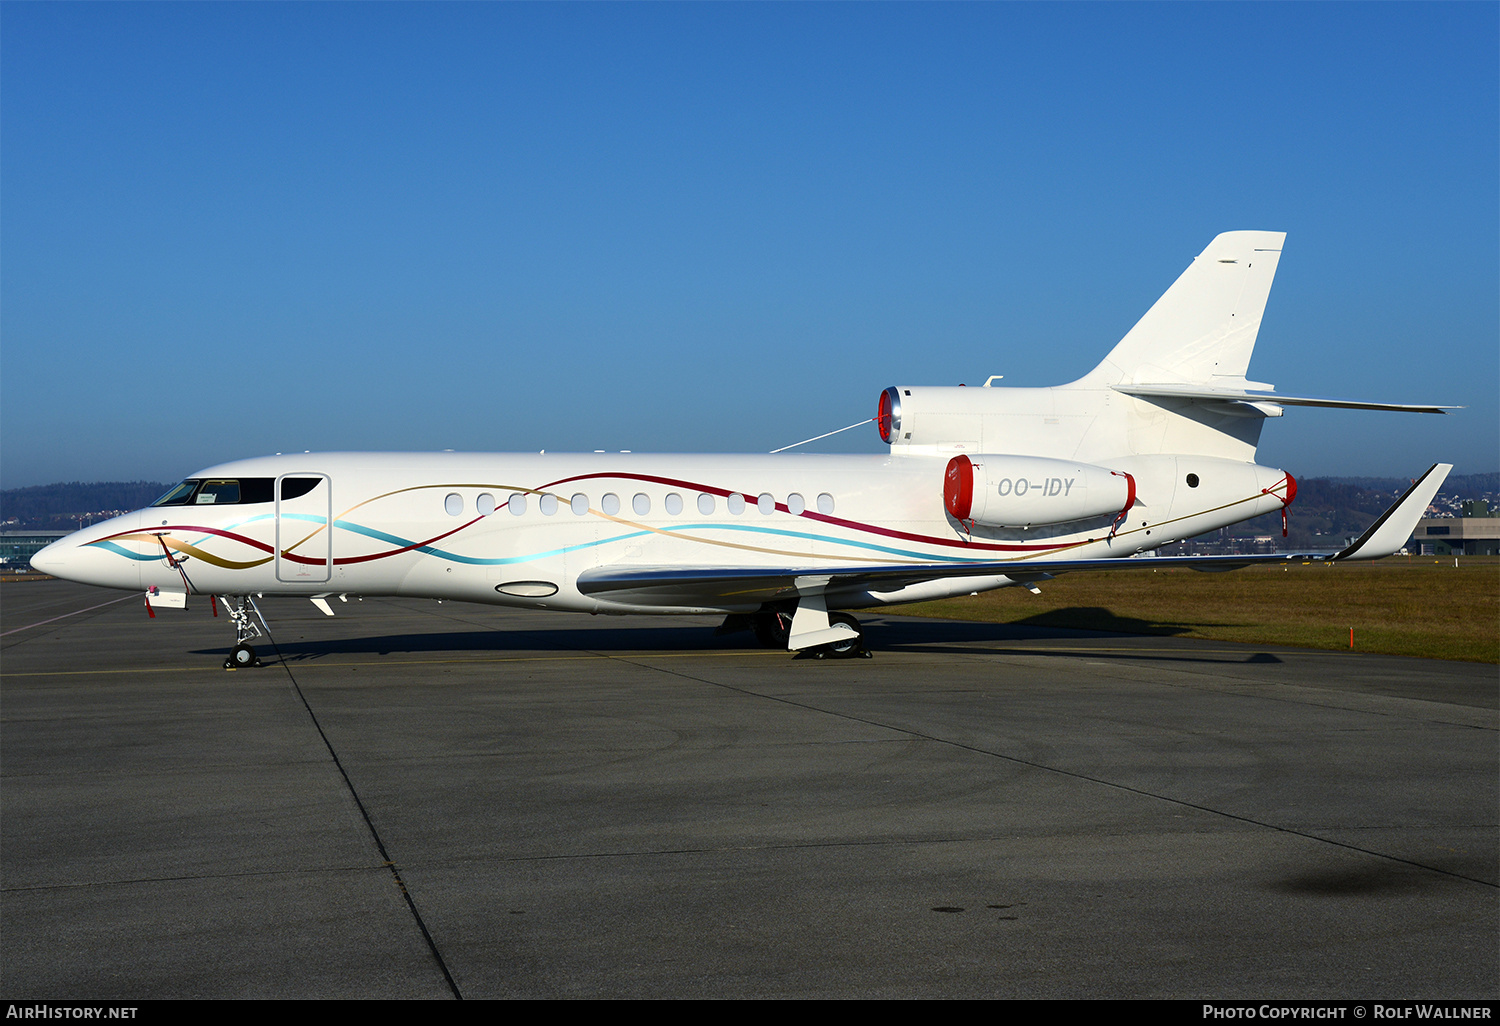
column 1024, row 491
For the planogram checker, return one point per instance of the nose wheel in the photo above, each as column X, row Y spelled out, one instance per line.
column 241, row 657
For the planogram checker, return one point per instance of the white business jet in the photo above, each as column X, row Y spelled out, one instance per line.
column 982, row 488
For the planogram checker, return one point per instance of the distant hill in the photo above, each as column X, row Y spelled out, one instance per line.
column 1325, row 512
column 1460, row 486
column 1328, row 510
column 59, row 507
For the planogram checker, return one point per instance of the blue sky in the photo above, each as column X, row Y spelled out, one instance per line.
column 234, row 229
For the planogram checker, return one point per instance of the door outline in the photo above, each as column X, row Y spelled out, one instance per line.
column 295, row 526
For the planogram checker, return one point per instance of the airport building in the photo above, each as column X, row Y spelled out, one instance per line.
column 1476, row 533
column 17, row 547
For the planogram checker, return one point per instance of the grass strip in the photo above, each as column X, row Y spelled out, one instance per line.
column 1412, row 606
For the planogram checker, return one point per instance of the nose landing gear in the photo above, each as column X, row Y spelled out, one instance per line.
column 244, row 612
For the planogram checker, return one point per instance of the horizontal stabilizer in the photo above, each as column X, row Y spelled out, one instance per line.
column 1243, row 395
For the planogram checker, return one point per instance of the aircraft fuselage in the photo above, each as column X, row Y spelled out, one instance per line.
column 520, row 529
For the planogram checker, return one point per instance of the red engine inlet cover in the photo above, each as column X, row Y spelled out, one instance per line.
column 883, row 414
column 958, row 487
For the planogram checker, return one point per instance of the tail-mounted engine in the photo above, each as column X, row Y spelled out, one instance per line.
column 1027, row 491
column 939, row 418
column 888, row 416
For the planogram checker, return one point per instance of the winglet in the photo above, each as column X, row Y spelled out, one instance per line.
column 1395, row 525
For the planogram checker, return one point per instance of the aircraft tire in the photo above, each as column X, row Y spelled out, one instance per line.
column 852, row 648
column 771, row 631
column 242, row 656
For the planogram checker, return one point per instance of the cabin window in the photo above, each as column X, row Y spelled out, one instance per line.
column 705, row 504
column 485, row 504
column 579, row 504
column 454, row 504
column 766, row 503
column 547, row 504
column 736, row 503
column 1192, row 480
column 825, row 503
column 641, row 504
column 517, row 505
column 610, row 504
column 673, row 504
column 795, row 504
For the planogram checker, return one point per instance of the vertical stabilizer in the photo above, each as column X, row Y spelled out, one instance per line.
column 1203, row 329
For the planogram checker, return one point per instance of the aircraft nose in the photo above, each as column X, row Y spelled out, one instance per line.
column 90, row 556
column 52, row 560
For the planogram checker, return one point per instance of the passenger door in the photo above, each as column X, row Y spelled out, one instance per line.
column 304, row 532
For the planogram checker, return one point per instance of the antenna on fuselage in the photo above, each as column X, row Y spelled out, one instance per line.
column 814, row 438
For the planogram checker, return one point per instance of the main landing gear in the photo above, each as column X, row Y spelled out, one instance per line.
column 851, row 647
column 244, row 613
column 844, row 648
column 773, row 629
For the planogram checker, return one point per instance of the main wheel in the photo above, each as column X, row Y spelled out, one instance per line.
column 240, row 657
column 851, row 647
column 772, row 630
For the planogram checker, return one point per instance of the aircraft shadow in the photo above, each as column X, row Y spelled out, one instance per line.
column 1097, row 618
column 907, row 634
column 914, row 635
column 587, row 639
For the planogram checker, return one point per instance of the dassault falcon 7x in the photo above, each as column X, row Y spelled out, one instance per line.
column 982, row 488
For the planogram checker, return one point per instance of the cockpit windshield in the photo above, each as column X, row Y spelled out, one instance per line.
column 178, row 496
column 218, row 492
column 199, row 492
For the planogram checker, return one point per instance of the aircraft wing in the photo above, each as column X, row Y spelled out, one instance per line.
column 719, row 585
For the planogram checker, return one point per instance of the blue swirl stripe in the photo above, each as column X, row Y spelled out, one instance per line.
column 684, row 531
